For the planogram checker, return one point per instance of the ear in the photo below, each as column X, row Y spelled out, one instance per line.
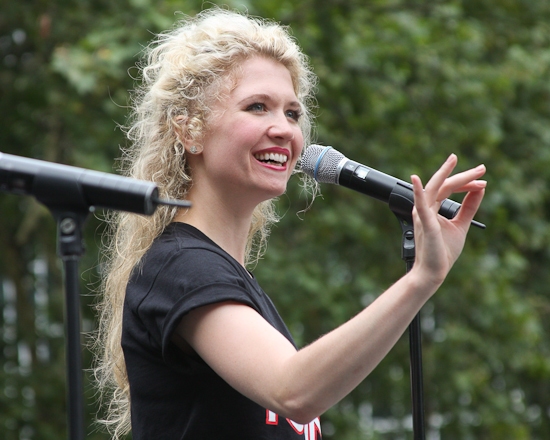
column 179, row 125
column 180, row 128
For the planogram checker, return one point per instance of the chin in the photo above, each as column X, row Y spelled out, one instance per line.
column 272, row 193
column 278, row 192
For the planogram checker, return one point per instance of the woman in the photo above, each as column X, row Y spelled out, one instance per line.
column 188, row 336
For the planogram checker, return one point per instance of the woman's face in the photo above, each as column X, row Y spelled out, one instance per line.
column 253, row 139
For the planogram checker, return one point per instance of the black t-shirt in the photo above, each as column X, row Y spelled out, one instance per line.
column 175, row 395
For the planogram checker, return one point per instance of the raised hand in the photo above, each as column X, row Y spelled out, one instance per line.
column 439, row 241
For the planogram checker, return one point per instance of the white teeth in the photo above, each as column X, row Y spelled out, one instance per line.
column 273, row 157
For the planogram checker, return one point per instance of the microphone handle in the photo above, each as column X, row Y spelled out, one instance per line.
column 395, row 192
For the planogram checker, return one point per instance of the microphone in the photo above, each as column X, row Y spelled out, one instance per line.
column 66, row 187
column 327, row 165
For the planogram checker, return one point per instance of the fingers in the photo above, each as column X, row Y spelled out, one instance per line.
column 435, row 183
column 425, row 197
column 442, row 185
column 465, row 181
column 421, row 204
column 469, row 207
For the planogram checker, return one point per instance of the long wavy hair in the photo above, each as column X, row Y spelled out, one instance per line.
column 182, row 72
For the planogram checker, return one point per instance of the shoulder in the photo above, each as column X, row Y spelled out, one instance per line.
column 183, row 262
column 182, row 249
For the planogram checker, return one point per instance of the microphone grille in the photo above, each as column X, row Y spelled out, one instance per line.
column 321, row 163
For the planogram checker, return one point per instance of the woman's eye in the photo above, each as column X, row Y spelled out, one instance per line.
column 256, row 107
column 293, row 114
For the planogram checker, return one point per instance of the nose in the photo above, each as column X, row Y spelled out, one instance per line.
column 282, row 128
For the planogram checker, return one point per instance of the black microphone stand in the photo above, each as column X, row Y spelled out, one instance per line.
column 401, row 206
column 70, row 194
column 70, row 248
column 70, row 210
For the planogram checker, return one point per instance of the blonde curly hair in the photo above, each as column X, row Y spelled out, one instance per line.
column 183, row 71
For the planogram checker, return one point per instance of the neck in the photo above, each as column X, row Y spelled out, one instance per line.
column 223, row 223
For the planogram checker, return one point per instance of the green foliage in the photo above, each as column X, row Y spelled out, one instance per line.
column 403, row 83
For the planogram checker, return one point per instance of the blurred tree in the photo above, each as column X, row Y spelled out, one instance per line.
column 403, row 83
column 63, row 84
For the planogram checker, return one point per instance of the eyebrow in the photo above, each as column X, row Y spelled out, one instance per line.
column 265, row 97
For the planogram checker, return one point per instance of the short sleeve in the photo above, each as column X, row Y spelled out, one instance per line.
column 186, row 279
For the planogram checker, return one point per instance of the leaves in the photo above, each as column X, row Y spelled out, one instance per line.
column 403, row 83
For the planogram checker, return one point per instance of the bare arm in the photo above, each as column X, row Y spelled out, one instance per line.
column 259, row 362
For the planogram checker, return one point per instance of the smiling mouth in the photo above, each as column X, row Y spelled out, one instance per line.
column 272, row 158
